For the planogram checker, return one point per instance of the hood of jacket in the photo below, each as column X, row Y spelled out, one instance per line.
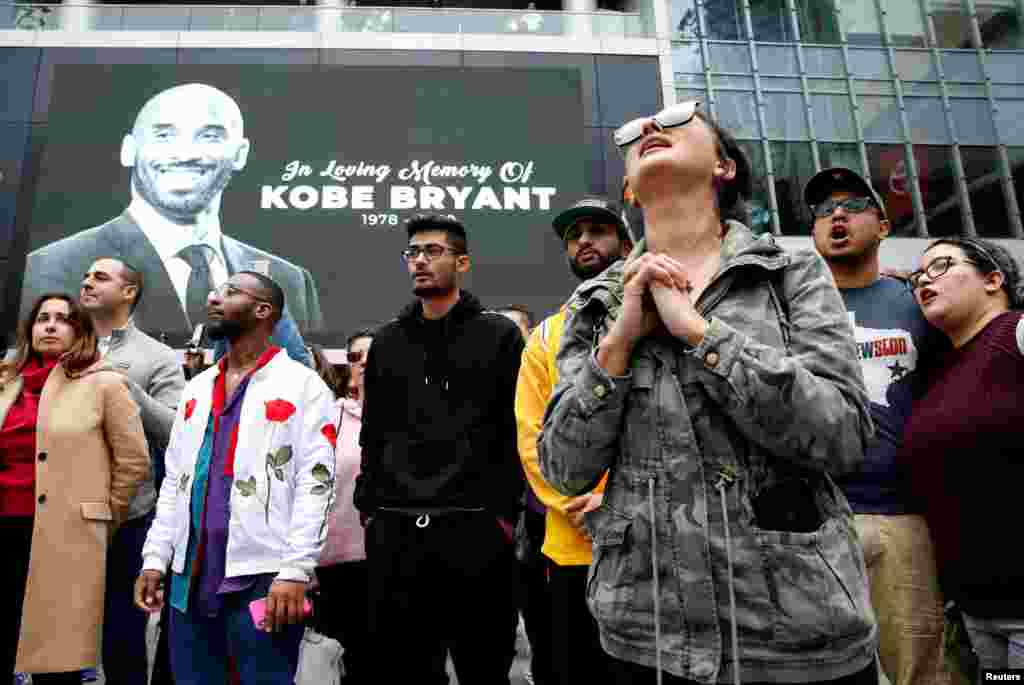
column 467, row 306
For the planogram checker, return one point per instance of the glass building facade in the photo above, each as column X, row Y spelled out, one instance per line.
column 925, row 97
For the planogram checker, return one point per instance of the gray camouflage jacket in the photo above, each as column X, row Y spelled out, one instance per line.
column 702, row 445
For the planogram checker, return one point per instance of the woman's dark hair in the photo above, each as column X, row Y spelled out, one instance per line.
column 367, row 332
column 325, row 369
column 733, row 196
column 988, row 257
column 82, row 353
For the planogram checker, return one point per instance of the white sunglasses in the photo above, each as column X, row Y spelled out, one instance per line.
column 676, row 115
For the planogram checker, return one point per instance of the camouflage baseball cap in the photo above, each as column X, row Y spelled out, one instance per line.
column 828, row 181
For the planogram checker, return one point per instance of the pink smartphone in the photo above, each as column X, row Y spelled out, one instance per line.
column 258, row 610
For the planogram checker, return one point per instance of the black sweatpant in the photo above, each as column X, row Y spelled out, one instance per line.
column 344, row 607
column 535, row 604
column 449, row 584
column 577, row 656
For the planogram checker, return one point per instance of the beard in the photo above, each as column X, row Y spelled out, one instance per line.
column 587, row 272
column 443, row 285
column 225, row 329
column 186, row 205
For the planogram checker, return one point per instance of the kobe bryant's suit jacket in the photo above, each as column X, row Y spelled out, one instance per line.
column 59, row 267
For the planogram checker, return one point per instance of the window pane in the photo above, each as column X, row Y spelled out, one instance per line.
column 905, row 23
column 981, row 166
column 733, row 57
column 771, row 21
column 952, row 27
column 890, row 179
column 918, row 88
column 684, row 18
column 817, row 21
column 1010, row 122
column 737, row 111
column 869, row 64
column 779, row 83
column 915, row 65
column 880, row 119
column 1006, row 91
column 874, row 87
column 776, row 59
column 973, row 121
column 824, row 61
column 724, row 21
column 821, row 85
column 927, row 121
column 1004, row 67
column 794, row 166
column 686, row 58
column 973, row 90
column 833, row 117
column 1000, row 26
column 784, row 116
column 744, row 82
column 760, row 200
column 938, row 190
column 860, row 22
column 961, row 66
column 839, row 154
column 684, row 94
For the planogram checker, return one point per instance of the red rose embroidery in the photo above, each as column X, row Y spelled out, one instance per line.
column 279, row 411
column 331, row 433
column 190, row 407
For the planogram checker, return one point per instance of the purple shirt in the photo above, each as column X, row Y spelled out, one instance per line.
column 211, row 581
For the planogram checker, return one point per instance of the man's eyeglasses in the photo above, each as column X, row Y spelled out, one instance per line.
column 356, row 357
column 935, row 269
column 676, row 115
column 853, row 205
column 431, row 251
column 228, row 290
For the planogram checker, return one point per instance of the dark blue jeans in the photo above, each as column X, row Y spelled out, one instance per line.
column 124, row 624
column 200, row 645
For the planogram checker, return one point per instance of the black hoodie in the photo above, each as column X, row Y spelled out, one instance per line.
column 439, row 426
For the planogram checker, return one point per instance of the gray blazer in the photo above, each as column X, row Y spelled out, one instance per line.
column 155, row 380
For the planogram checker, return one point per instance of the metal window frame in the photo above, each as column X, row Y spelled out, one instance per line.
column 896, row 80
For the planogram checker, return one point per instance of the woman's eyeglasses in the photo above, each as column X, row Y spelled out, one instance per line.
column 676, row 115
column 935, row 270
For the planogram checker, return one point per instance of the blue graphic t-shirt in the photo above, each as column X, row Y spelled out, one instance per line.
column 895, row 345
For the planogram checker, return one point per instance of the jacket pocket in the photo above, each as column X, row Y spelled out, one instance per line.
column 97, row 511
column 817, row 586
column 611, row 582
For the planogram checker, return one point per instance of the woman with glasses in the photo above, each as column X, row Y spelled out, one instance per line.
column 72, row 454
column 963, row 442
column 342, row 571
column 714, row 377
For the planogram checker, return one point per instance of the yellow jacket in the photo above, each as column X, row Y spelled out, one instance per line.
column 538, row 376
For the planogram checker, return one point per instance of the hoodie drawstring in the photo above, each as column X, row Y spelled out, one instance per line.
column 726, row 477
column 657, row 588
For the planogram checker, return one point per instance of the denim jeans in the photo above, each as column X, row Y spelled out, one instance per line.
column 998, row 642
column 200, row 645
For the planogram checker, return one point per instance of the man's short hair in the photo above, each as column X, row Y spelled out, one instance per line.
column 455, row 231
column 132, row 276
column 274, row 292
column 519, row 309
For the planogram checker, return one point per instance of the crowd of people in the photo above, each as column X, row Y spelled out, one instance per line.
column 718, row 461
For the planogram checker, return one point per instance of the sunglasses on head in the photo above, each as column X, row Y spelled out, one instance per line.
column 355, row 357
column 676, row 115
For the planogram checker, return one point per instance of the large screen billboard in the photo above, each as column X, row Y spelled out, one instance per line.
column 307, row 174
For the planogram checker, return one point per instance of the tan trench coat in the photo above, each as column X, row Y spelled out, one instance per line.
column 91, row 455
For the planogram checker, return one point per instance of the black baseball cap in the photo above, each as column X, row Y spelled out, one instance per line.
column 828, row 181
column 590, row 207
